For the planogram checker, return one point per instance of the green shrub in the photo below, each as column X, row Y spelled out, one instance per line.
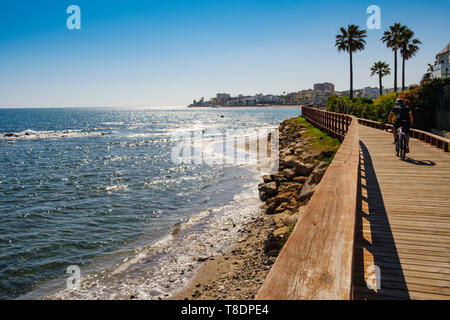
column 423, row 100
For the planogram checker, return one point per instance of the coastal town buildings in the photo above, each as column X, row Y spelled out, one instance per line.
column 317, row 96
column 441, row 67
column 305, row 97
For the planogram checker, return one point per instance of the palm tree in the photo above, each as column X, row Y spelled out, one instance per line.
column 382, row 69
column 392, row 39
column 351, row 40
column 408, row 49
column 430, row 67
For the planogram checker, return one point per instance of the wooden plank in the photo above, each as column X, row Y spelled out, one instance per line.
column 404, row 220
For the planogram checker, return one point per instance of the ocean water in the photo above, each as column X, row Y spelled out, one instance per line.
column 97, row 188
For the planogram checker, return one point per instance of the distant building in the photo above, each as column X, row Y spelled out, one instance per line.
column 442, row 65
column 369, row 92
column 222, row 97
column 326, row 86
column 321, row 92
column 305, row 97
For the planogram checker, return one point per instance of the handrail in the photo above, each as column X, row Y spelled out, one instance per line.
column 316, row 261
column 427, row 137
column 335, row 124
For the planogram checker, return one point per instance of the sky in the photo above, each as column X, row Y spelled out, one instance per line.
column 138, row 53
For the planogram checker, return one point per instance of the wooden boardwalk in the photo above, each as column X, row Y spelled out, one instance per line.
column 374, row 219
column 403, row 220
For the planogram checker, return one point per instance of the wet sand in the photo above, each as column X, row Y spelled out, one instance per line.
column 239, row 272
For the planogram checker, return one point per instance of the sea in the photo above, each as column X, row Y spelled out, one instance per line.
column 93, row 205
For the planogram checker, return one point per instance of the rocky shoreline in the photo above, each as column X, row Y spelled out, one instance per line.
column 239, row 272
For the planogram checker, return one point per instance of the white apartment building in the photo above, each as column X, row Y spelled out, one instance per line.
column 441, row 67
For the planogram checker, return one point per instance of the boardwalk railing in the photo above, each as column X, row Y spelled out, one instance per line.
column 439, row 142
column 316, row 261
column 335, row 124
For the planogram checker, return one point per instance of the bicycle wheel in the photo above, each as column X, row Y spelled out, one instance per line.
column 402, row 147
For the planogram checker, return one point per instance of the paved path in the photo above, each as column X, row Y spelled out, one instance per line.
column 403, row 221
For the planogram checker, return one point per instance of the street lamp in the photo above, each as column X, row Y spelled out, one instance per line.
column 446, row 72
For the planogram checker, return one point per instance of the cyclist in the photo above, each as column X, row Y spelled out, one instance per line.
column 403, row 118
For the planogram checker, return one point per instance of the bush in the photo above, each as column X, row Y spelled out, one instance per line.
column 423, row 100
column 383, row 106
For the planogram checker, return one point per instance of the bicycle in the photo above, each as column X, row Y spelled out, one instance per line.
column 402, row 144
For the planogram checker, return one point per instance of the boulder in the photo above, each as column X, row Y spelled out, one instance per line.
column 302, row 169
column 289, row 173
column 306, row 192
column 268, row 178
column 272, row 245
column 319, row 172
column 281, row 207
column 267, row 190
column 279, row 177
column 270, row 206
column 300, row 179
column 273, row 203
column 289, row 186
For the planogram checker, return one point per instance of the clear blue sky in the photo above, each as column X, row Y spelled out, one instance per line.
column 160, row 53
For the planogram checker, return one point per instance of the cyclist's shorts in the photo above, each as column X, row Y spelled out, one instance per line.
column 404, row 124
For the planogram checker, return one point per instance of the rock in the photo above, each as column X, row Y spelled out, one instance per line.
column 300, row 179
column 279, row 177
column 281, row 220
column 289, row 187
column 241, row 240
column 155, row 293
column 269, row 207
column 281, row 207
column 302, row 169
column 283, row 197
column 273, row 253
column 289, row 173
column 202, row 259
column 271, row 244
column 267, row 178
column 267, row 190
column 282, row 232
column 307, row 192
column 319, row 172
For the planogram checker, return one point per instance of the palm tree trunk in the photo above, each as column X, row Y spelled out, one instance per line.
column 351, row 74
column 381, row 86
column 395, row 70
column 403, row 74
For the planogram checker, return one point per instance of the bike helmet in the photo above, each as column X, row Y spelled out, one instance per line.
column 400, row 102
